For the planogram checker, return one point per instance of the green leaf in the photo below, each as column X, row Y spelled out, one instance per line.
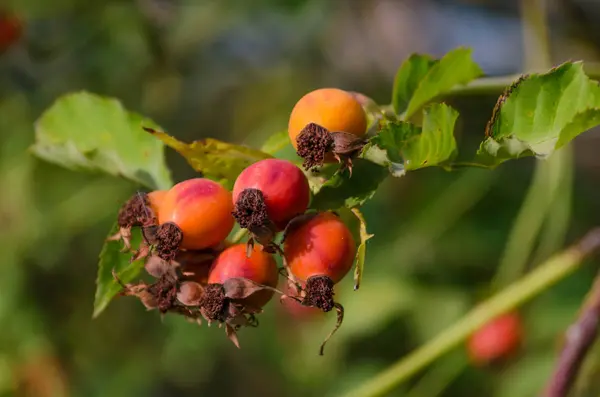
column 83, row 131
column 343, row 190
column 111, row 258
column 582, row 122
column 456, row 67
column 408, row 77
column 213, row 158
column 540, row 113
column 362, row 248
column 408, row 147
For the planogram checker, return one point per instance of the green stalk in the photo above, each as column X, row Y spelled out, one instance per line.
column 553, row 270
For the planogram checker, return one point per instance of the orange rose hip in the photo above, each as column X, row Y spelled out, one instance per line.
column 331, row 108
column 194, row 214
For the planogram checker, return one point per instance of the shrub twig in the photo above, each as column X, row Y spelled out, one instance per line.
column 579, row 339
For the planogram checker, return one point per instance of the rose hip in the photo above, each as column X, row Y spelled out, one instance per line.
column 270, row 191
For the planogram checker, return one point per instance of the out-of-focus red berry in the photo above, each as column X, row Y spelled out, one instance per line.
column 496, row 340
column 11, row 29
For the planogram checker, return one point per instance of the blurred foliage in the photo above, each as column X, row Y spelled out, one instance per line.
column 232, row 70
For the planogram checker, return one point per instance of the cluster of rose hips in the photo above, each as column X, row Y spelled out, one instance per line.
column 201, row 275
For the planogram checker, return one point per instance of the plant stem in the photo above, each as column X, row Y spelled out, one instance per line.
column 529, row 221
column 439, row 215
column 497, row 84
column 550, row 272
column 559, row 214
column 439, row 377
column 580, row 337
column 536, row 43
column 547, row 174
column 238, row 236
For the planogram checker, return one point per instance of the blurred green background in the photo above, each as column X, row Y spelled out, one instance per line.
column 233, row 70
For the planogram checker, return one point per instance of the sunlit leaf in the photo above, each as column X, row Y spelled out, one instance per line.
column 111, row 258
column 362, row 248
column 213, row 158
column 408, row 147
column 455, row 68
column 408, row 77
column 87, row 132
column 540, row 113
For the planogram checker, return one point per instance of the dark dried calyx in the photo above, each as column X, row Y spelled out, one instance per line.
column 319, row 293
column 168, row 240
column 313, row 143
column 213, row 303
column 250, row 210
column 136, row 212
column 164, row 291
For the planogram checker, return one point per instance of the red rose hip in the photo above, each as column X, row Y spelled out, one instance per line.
column 322, row 246
column 319, row 251
column 260, row 267
column 496, row 340
column 272, row 190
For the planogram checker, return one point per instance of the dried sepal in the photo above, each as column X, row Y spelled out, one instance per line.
column 124, row 234
column 136, row 212
column 142, row 252
column 232, row 335
column 157, row 267
column 140, row 291
column 190, row 293
column 339, row 320
column 241, row 288
column 315, row 143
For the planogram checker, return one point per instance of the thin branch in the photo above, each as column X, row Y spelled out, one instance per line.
column 579, row 339
column 497, row 85
column 547, row 274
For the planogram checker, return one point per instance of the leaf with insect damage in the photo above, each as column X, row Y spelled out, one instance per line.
column 540, row 113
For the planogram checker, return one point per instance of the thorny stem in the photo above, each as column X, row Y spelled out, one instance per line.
column 579, row 339
column 553, row 270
